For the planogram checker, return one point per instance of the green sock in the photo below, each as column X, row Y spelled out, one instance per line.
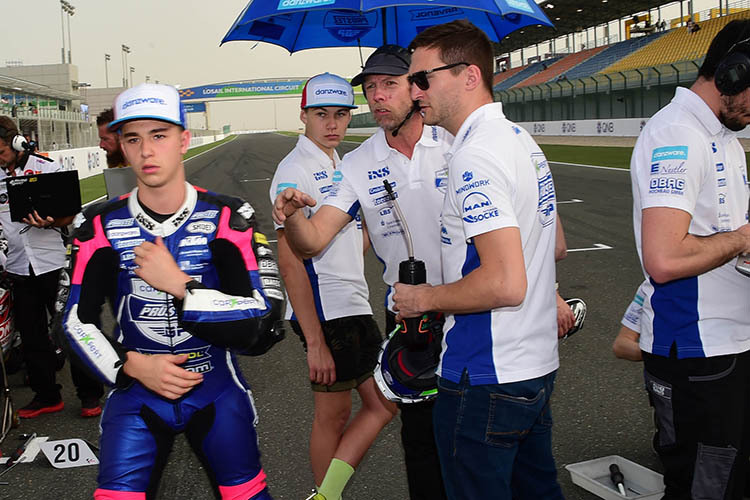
column 334, row 482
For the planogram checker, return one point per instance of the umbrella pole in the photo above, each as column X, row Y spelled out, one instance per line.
column 361, row 60
column 385, row 31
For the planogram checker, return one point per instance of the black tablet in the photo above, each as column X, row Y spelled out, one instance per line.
column 57, row 194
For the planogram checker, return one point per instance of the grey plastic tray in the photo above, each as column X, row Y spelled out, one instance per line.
column 640, row 482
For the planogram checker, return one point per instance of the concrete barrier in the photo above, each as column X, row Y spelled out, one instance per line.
column 92, row 161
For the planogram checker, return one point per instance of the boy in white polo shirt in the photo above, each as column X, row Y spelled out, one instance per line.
column 328, row 297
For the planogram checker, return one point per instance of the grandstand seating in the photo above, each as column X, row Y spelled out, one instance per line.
column 610, row 55
column 525, row 72
column 560, row 67
column 677, row 45
column 502, row 75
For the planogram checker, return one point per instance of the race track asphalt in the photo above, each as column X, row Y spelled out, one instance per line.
column 599, row 404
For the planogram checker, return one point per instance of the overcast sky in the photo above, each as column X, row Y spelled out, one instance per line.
column 173, row 41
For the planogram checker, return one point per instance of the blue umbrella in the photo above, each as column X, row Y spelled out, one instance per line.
column 306, row 24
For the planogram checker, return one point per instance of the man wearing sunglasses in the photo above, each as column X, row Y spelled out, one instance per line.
column 690, row 201
column 499, row 360
column 410, row 157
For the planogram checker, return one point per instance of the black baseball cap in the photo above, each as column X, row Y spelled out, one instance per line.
column 386, row 60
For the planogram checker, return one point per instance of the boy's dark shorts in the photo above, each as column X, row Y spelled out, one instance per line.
column 354, row 342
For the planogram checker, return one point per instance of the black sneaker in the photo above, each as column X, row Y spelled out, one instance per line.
column 90, row 408
column 37, row 407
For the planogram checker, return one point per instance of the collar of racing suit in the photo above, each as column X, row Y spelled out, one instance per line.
column 170, row 225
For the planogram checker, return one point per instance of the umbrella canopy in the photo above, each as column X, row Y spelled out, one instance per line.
column 306, row 24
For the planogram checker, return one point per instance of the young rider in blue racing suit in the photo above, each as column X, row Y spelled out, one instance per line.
column 191, row 282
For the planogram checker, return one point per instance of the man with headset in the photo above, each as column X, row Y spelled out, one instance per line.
column 690, row 202
column 410, row 156
column 35, row 257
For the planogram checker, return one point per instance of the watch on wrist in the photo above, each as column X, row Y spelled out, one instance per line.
column 192, row 285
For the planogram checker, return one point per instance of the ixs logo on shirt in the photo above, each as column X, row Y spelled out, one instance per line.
column 379, row 173
column 477, row 207
column 669, row 153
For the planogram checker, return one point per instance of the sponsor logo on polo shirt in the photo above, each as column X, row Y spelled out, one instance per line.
column 670, row 153
column 667, row 185
column 478, row 207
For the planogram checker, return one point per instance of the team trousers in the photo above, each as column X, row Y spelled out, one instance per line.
column 701, row 407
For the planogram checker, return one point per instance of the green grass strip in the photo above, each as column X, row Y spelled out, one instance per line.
column 605, row 156
column 93, row 187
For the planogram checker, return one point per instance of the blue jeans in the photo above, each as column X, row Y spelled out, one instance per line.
column 495, row 441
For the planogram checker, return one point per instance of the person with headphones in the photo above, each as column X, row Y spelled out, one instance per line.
column 36, row 254
column 690, row 216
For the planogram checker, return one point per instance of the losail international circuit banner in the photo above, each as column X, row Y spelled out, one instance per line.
column 247, row 89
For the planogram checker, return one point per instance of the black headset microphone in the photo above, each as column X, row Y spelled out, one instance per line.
column 414, row 108
column 21, row 145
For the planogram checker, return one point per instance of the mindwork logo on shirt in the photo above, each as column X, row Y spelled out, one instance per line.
column 670, row 153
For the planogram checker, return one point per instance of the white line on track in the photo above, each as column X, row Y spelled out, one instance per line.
column 256, row 180
column 597, row 246
column 572, row 200
column 589, row 166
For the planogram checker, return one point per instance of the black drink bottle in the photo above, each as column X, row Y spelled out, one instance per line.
column 410, row 272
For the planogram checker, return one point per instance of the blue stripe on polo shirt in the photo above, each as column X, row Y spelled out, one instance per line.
column 675, row 306
column 353, row 209
column 470, row 339
column 389, row 289
column 313, row 277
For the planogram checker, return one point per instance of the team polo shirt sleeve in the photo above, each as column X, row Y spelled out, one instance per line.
column 632, row 317
column 676, row 168
column 343, row 195
column 289, row 175
column 486, row 200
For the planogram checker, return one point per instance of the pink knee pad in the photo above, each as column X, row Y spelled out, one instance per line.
column 101, row 494
column 242, row 491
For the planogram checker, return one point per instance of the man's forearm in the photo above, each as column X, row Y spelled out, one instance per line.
column 478, row 291
column 303, row 236
column 694, row 255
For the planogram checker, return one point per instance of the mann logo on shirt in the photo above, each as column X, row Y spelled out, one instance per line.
column 478, row 207
column 670, row 153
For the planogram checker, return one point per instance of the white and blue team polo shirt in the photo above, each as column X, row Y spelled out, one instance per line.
column 632, row 316
column 686, row 159
column 337, row 273
column 498, row 178
column 419, row 184
column 43, row 249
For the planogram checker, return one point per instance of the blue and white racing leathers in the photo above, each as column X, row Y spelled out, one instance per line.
column 233, row 309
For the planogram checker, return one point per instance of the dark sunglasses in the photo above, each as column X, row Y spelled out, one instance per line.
column 420, row 77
